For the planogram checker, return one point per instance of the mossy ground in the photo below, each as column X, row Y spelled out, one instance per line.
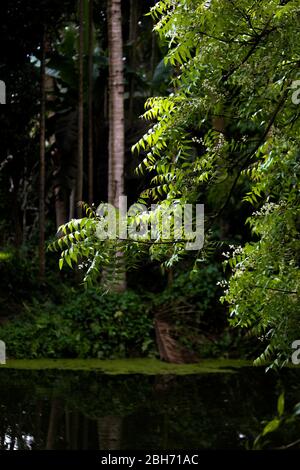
column 129, row 366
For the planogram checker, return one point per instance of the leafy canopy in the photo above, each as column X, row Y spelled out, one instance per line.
column 231, row 118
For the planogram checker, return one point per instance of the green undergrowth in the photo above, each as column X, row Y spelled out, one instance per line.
column 61, row 320
column 85, row 324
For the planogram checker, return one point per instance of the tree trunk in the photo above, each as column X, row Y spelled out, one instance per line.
column 109, row 432
column 80, row 111
column 116, row 103
column 132, row 62
column 153, row 59
column 91, row 156
column 60, row 206
column 15, row 211
column 169, row 348
column 116, row 112
column 42, row 165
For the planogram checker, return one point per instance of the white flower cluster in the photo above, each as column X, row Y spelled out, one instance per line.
column 220, row 143
column 238, row 250
column 266, row 209
column 197, row 140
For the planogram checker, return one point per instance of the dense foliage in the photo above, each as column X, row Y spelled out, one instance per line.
column 86, row 324
column 232, row 117
column 263, row 290
column 221, row 129
column 67, row 321
column 236, row 64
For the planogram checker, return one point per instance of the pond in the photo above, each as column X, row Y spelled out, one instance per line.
column 81, row 409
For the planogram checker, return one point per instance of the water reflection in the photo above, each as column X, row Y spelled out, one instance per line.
column 80, row 410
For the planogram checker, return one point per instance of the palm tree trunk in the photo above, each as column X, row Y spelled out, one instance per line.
column 42, row 165
column 116, row 107
column 116, row 116
column 80, row 111
column 91, row 156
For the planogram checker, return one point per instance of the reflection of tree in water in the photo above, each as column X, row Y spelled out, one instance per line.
column 81, row 410
column 109, row 432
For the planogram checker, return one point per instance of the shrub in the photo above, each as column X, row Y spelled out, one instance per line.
column 87, row 324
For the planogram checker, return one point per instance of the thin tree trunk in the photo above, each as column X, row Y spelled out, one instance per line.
column 132, row 41
column 42, row 164
column 153, row 59
column 91, row 156
column 16, row 213
column 60, row 207
column 80, row 111
column 170, row 274
column 72, row 204
column 116, row 114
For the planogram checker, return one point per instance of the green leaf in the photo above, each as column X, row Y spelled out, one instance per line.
column 68, row 260
column 271, row 426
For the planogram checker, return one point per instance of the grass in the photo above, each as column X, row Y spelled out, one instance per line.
column 129, row 366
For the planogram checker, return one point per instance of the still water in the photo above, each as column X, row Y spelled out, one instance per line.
column 89, row 410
